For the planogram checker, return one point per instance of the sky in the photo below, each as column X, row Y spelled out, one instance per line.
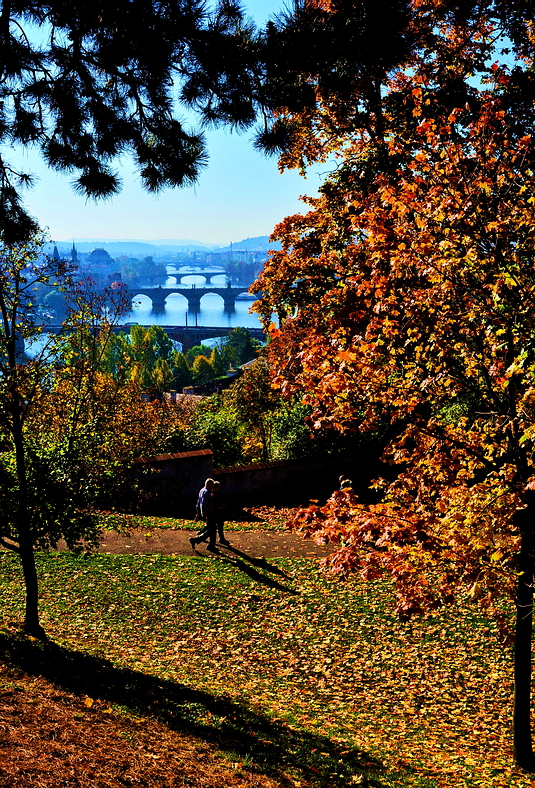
column 240, row 193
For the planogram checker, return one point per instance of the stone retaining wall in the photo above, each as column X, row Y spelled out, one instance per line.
column 174, row 480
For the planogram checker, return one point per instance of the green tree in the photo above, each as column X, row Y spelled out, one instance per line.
column 217, row 428
column 255, row 402
column 44, row 486
column 145, row 356
column 162, row 376
column 181, row 371
column 56, row 301
column 218, row 361
column 202, row 371
column 240, row 347
column 198, row 350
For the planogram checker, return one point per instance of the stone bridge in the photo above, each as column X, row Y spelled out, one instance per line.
column 207, row 273
column 158, row 295
column 189, row 336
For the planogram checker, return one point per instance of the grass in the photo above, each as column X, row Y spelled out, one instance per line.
column 300, row 678
column 261, row 518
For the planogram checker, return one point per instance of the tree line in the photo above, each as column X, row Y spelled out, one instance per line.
column 148, row 358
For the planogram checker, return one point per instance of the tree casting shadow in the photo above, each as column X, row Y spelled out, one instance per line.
column 271, row 746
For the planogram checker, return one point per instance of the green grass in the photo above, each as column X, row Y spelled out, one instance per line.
column 266, row 520
column 280, row 668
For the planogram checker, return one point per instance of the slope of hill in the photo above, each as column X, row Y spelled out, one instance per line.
column 141, row 248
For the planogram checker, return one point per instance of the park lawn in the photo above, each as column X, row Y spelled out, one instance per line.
column 273, row 666
column 261, row 518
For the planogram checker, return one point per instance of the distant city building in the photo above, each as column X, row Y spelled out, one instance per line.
column 100, row 257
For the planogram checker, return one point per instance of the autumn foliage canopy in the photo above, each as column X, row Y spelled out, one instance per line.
column 406, row 297
column 406, row 300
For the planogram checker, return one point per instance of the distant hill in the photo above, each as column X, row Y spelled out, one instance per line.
column 158, row 248
column 135, row 248
column 259, row 243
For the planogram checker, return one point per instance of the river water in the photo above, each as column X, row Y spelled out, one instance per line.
column 212, row 312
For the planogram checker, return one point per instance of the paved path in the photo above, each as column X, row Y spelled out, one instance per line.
column 266, row 544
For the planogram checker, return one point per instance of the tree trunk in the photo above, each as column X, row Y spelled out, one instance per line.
column 27, row 556
column 31, row 618
column 523, row 749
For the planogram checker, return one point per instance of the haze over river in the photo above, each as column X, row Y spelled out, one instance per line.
column 212, row 311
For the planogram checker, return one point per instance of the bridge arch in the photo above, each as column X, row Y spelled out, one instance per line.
column 218, row 275
column 141, row 298
column 206, row 291
column 177, row 299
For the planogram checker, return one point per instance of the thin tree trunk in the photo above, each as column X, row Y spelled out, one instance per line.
column 27, row 556
column 523, row 748
column 31, row 618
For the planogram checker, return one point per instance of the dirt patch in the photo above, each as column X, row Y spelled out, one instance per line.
column 259, row 544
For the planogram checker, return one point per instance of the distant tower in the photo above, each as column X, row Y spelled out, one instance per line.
column 74, row 254
column 55, row 254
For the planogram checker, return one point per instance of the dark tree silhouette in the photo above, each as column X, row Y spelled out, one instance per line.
column 87, row 82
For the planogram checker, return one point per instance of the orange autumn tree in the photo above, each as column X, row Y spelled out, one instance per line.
column 406, row 303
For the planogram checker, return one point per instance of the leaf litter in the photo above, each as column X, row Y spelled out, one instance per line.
column 427, row 701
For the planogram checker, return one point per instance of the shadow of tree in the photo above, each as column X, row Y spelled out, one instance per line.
column 271, row 746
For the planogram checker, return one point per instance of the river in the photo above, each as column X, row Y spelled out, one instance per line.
column 212, row 312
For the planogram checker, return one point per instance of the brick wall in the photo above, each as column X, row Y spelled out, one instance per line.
column 174, row 480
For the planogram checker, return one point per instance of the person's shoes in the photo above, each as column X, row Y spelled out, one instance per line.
column 224, row 541
column 192, row 542
column 212, row 548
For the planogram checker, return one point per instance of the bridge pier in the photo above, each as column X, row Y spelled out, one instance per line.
column 194, row 301
column 158, row 297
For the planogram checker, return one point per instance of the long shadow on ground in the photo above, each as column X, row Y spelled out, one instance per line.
column 272, row 747
column 248, row 565
column 261, row 563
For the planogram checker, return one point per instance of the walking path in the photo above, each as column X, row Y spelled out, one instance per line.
column 267, row 544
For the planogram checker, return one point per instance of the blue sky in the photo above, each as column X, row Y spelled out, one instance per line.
column 239, row 194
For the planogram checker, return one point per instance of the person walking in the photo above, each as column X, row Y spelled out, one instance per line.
column 205, row 511
column 219, row 513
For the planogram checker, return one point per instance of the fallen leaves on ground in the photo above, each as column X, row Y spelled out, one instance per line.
column 427, row 701
column 53, row 739
column 259, row 518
